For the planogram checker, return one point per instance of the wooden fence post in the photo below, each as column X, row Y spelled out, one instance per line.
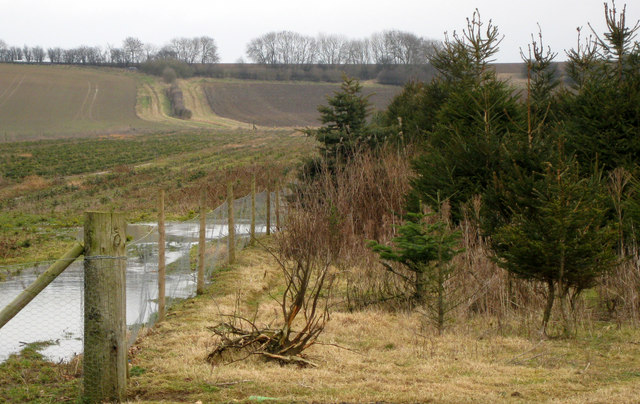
column 105, row 346
column 232, row 227
column 268, row 208
column 161, row 257
column 202, row 243
column 252, row 230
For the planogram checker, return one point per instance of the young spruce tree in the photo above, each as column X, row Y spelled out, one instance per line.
column 425, row 249
column 465, row 146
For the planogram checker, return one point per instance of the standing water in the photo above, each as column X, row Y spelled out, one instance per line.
column 56, row 314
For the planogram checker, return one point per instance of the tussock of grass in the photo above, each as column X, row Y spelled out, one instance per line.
column 376, row 355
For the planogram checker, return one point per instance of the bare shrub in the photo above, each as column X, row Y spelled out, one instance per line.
column 304, row 252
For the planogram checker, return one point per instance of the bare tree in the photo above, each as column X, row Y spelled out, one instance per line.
column 26, row 54
column 149, row 52
column 399, row 47
column 263, row 49
column 116, row 55
column 305, row 253
column 356, row 52
column 284, row 47
column 330, row 49
column 38, row 54
column 4, row 52
column 133, row 49
column 55, row 54
column 15, row 53
column 208, row 50
column 378, row 49
column 185, row 49
column 69, row 56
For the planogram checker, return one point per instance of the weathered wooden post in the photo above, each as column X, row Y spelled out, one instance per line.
column 232, row 226
column 252, row 230
column 105, row 347
column 202, row 243
column 268, row 208
column 161, row 258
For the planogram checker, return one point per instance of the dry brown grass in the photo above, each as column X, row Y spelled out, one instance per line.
column 382, row 356
column 28, row 184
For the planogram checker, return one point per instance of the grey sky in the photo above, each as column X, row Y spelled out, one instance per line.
column 69, row 23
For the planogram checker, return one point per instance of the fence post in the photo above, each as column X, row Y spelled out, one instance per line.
column 105, row 347
column 277, row 206
column 268, row 208
column 161, row 257
column 252, row 230
column 232, row 227
column 202, row 243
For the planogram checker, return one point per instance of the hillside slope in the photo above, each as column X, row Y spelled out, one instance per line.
column 281, row 104
column 48, row 101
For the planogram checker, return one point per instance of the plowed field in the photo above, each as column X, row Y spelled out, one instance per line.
column 280, row 104
column 45, row 101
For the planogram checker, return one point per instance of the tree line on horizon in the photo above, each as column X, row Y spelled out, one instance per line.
column 392, row 47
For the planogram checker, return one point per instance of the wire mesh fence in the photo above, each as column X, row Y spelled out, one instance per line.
column 55, row 316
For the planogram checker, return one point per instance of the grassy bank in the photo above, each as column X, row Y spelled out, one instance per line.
column 377, row 355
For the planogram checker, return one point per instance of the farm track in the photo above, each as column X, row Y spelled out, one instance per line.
column 196, row 101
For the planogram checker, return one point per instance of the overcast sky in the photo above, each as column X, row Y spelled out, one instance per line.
column 233, row 23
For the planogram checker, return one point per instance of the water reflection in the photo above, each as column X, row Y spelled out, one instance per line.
column 56, row 314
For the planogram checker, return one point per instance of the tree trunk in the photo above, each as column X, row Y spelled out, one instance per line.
column 441, row 299
column 421, row 287
column 547, row 310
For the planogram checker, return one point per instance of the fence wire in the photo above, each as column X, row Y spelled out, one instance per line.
column 56, row 316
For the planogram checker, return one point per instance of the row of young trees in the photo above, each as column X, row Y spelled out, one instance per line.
column 555, row 167
column 285, row 47
column 388, row 47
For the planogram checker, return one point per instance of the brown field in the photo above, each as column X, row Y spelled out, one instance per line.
column 45, row 101
column 280, row 104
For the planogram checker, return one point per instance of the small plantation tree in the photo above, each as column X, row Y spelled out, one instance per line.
column 425, row 249
column 344, row 122
column 561, row 238
column 478, row 113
